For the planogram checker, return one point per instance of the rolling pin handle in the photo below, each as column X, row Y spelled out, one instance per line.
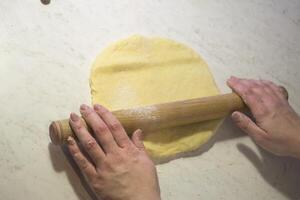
column 55, row 133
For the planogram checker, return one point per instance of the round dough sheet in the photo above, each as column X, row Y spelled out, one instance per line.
column 140, row 71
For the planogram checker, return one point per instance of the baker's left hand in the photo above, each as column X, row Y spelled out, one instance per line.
column 117, row 167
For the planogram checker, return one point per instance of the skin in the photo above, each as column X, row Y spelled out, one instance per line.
column 276, row 126
column 117, row 167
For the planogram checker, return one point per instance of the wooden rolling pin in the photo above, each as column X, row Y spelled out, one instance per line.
column 155, row 117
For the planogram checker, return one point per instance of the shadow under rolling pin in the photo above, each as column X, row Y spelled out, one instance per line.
column 160, row 116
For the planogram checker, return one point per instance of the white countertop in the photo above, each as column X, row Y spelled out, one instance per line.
column 45, row 56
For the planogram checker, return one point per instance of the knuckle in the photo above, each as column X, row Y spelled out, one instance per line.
column 76, row 155
column 124, row 142
column 268, row 89
column 265, row 87
column 90, row 144
column 134, row 153
column 256, row 90
column 97, row 185
column 251, row 83
column 115, row 126
column 106, row 166
column 74, row 152
column 81, row 161
column 111, row 165
column 118, row 157
column 275, row 103
column 77, row 126
column 102, row 111
column 122, row 158
column 87, row 112
column 247, row 93
column 141, row 147
column 260, row 113
column 84, row 164
column 244, row 125
column 241, row 88
column 100, row 129
column 97, row 181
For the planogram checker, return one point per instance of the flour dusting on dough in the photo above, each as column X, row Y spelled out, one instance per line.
column 124, row 96
column 147, row 112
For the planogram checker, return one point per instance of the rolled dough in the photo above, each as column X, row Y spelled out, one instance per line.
column 141, row 71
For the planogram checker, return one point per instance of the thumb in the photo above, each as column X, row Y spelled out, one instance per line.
column 248, row 126
column 137, row 139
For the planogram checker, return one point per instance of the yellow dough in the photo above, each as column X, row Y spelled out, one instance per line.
column 141, row 71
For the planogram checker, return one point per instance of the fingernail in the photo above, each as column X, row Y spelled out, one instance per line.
column 70, row 140
column 74, row 117
column 236, row 116
column 97, row 107
column 232, row 78
column 140, row 133
column 83, row 107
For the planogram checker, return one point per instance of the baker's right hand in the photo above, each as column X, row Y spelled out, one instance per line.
column 277, row 125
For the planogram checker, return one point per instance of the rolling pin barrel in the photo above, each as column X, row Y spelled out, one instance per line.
column 155, row 117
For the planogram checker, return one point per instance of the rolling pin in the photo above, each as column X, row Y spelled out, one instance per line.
column 160, row 116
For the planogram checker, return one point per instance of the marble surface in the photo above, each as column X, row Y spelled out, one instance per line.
column 45, row 56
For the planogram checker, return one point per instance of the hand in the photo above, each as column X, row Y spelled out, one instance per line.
column 116, row 167
column 277, row 125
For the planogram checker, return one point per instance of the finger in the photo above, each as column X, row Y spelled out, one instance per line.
column 114, row 125
column 277, row 95
column 89, row 143
column 248, row 126
column 240, row 86
column 262, row 90
column 85, row 166
column 137, row 139
column 269, row 96
column 250, row 92
column 277, row 91
column 270, row 90
column 237, row 86
column 99, row 128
